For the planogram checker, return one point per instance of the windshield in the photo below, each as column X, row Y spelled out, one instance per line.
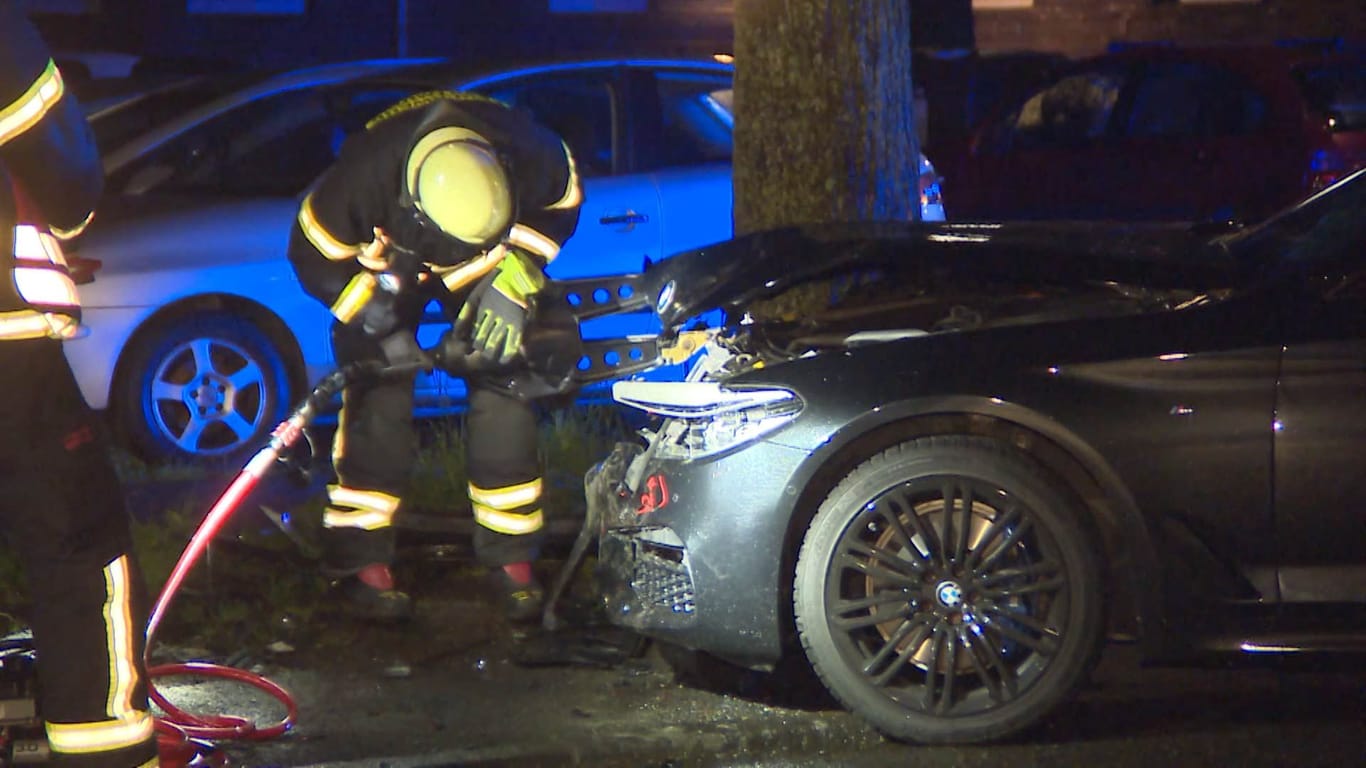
column 1328, row 228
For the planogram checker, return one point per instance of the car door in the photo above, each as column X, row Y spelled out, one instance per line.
column 1051, row 157
column 619, row 222
column 682, row 131
column 1193, row 144
column 1320, row 443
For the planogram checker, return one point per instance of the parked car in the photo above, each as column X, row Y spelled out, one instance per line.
column 942, row 463
column 1162, row 132
column 200, row 338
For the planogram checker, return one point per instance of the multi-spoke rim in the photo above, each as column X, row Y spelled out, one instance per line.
column 208, row 396
column 947, row 595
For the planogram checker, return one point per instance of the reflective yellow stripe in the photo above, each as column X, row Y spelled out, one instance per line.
column 25, row 112
column 364, row 519
column 354, row 297
column 153, row 763
column 104, row 736
column 472, row 270
column 573, row 193
column 528, row 239
column 67, row 234
column 507, row 497
column 508, row 522
column 41, row 278
column 30, row 324
column 118, row 631
column 46, row 287
column 353, row 508
column 327, row 244
column 377, row 501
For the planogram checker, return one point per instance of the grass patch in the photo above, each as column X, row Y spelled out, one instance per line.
column 258, row 585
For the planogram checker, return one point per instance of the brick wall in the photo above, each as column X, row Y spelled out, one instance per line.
column 1083, row 27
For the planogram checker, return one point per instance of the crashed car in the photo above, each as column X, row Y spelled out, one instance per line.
column 947, row 462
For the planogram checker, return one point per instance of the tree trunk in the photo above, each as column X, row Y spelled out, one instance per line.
column 824, row 129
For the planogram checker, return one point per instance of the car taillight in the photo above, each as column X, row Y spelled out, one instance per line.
column 930, row 193
column 1326, row 167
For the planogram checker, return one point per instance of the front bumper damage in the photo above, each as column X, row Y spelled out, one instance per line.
column 645, row 570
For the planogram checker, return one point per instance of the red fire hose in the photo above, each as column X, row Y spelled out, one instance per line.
column 185, row 738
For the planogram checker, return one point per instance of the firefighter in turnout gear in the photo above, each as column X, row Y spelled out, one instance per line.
column 61, row 508
column 458, row 198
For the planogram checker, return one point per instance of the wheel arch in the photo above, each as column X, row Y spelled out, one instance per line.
column 1133, row 568
column 267, row 321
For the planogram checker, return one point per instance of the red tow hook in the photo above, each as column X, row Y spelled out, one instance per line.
column 655, row 496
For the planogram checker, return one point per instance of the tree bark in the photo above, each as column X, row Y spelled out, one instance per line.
column 824, row 129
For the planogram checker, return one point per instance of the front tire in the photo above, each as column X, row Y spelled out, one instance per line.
column 204, row 390
column 948, row 592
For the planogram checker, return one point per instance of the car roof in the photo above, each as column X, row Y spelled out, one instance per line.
column 242, row 88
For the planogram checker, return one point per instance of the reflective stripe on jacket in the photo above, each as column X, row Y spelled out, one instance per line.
column 40, row 280
column 39, row 299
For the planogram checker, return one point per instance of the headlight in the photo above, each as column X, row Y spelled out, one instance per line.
column 704, row 418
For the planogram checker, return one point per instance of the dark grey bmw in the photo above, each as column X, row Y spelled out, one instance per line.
column 948, row 462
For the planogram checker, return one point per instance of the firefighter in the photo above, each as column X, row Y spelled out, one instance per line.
column 61, row 506
column 458, row 198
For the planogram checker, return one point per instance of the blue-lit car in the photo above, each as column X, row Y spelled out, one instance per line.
column 199, row 338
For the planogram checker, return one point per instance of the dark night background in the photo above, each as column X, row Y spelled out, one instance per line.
column 236, row 33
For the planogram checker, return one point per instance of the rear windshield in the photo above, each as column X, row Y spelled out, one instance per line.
column 1337, row 90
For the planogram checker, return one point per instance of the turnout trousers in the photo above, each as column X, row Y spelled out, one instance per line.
column 62, row 512
column 376, row 446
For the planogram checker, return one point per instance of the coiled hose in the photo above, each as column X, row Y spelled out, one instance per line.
column 187, row 739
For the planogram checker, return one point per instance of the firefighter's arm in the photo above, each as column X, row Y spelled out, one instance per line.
column 497, row 309
column 45, row 143
column 357, row 273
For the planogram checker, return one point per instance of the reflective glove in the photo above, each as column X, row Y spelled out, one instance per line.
column 496, row 311
column 455, row 354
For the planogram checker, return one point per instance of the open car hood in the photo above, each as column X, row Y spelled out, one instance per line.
column 937, row 260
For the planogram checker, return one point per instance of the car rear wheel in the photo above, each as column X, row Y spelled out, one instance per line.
column 202, row 390
column 948, row 592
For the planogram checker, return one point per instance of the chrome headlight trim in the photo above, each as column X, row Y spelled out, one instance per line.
column 703, row 418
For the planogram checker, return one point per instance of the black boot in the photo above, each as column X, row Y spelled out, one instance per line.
column 370, row 594
column 522, row 600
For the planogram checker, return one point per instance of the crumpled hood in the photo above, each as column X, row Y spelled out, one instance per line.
column 736, row 273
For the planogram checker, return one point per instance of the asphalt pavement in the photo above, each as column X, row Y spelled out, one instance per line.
column 457, row 688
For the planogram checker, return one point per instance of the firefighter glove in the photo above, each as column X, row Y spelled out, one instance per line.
column 496, row 311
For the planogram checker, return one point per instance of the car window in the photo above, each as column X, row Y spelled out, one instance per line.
column 275, row 145
column 695, row 120
column 117, row 120
column 1192, row 100
column 577, row 107
column 1072, row 111
column 1337, row 90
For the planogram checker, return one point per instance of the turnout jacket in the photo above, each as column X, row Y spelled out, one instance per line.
column 363, row 190
column 50, row 179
